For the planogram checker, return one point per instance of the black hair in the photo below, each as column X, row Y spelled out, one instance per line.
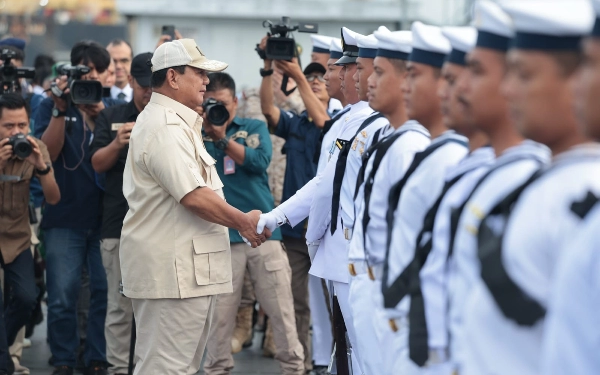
column 13, row 101
column 220, row 81
column 19, row 53
column 41, row 74
column 88, row 51
column 160, row 76
column 118, row 42
column 42, row 60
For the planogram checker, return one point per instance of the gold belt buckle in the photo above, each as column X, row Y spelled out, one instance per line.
column 393, row 325
column 351, row 269
column 346, row 234
column 371, row 274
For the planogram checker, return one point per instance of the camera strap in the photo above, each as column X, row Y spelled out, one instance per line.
column 284, row 83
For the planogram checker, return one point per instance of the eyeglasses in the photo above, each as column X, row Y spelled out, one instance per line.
column 311, row 78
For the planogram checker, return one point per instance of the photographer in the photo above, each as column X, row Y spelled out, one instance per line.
column 72, row 228
column 242, row 149
column 109, row 153
column 15, row 237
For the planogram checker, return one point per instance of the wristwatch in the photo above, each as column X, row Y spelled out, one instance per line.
column 57, row 113
column 221, row 144
column 265, row 72
column 41, row 172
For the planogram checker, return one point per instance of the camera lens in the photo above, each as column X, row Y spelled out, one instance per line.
column 21, row 146
column 83, row 92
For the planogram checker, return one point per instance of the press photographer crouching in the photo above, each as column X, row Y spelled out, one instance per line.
column 65, row 123
column 21, row 158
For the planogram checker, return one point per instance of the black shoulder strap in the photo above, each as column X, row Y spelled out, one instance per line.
column 456, row 213
column 394, row 293
column 511, row 299
column 394, row 199
column 340, row 170
column 326, row 127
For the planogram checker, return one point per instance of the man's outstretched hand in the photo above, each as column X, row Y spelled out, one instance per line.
column 249, row 232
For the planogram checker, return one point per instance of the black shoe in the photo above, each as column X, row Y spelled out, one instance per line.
column 97, row 368
column 62, row 370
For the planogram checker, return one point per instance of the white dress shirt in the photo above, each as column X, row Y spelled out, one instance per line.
column 572, row 337
column 540, row 225
column 127, row 90
column 510, row 170
column 433, row 274
column 393, row 165
column 419, row 193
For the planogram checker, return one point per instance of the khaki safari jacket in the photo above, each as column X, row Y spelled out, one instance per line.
column 166, row 250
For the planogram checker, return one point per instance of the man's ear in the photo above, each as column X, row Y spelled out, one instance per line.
column 173, row 79
column 130, row 80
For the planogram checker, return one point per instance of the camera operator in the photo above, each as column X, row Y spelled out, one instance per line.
column 242, row 148
column 72, row 228
column 16, row 173
column 109, row 153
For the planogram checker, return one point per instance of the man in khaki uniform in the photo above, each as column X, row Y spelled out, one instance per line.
column 175, row 255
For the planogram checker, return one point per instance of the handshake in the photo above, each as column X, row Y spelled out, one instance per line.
column 265, row 225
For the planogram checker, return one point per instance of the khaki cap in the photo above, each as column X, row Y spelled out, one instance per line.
column 183, row 52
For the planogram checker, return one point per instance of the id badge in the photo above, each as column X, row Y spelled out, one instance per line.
column 229, row 165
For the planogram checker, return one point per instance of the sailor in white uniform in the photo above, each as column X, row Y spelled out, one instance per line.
column 517, row 159
column 415, row 193
column 428, row 287
column 522, row 240
column 321, row 53
column 298, row 207
column 571, row 334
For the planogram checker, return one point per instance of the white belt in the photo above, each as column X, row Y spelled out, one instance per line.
column 438, row 356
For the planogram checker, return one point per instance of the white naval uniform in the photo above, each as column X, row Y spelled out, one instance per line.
column 433, row 274
column 365, row 294
column 330, row 138
column 541, row 223
column 517, row 164
column 331, row 262
column 572, row 337
column 419, row 193
column 298, row 207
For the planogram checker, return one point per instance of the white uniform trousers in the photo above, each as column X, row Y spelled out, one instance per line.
column 363, row 311
column 322, row 338
column 342, row 291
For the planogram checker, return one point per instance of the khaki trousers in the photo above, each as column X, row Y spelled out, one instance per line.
column 269, row 271
column 297, row 253
column 119, row 312
column 172, row 334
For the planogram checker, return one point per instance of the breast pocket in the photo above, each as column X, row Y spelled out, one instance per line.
column 212, row 259
column 15, row 198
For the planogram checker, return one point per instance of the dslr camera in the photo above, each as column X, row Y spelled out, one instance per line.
column 82, row 91
column 281, row 44
column 216, row 112
column 21, row 146
column 9, row 74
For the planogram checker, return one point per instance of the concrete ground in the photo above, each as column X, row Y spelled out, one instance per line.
column 248, row 362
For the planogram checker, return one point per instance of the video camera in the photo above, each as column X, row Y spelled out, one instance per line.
column 9, row 74
column 82, row 91
column 216, row 112
column 281, row 45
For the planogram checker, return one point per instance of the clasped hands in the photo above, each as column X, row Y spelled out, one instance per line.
column 264, row 227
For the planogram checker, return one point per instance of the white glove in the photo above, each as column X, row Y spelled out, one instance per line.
column 271, row 220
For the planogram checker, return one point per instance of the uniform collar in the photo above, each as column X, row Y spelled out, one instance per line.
column 586, row 150
column 187, row 114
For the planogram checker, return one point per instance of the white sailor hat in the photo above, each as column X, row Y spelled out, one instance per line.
column 335, row 48
column 320, row 43
column 596, row 30
column 494, row 27
column 462, row 40
column 550, row 25
column 349, row 46
column 429, row 45
column 393, row 44
column 367, row 46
